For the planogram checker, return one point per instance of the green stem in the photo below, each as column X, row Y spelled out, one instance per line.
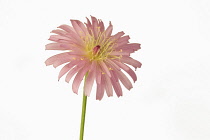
column 84, row 102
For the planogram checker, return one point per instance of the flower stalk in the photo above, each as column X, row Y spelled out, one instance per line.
column 84, row 102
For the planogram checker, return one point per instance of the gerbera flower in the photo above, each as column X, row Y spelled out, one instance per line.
column 90, row 48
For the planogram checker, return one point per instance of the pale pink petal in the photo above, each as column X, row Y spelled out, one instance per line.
column 88, row 22
column 104, row 68
column 120, row 53
column 56, row 57
column 129, row 47
column 59, row 32
column 90, row 79
column 60, row 62
column 77, row 52
column 59, row 38
column 121, row 65
column 124, row 80
column 78, row 78
column 109, row 30
column 66, row 68
column 112, row 64
column 98, row 74
column 123, row 39
column 117, row 88
column 134, row 46
column 127, row 69
column 72, row 33
column 65, row 60
column 77, row 28
column 95, row 26
column 63, row 71
column 130, row 61
column 123, row 43
column 108, row 85
column 116, row 84
column 101, row 25
column 66, row 28
column 128, row 50
column 73, row 40
column 72, row 47
column 71, row 73
column 82, row 26
column 100, row 90
column 89, row 26
column 117, row 36
column 60, row 46
column 132, row 74
column 94, row 21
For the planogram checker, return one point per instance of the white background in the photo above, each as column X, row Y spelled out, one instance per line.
column 170, row 100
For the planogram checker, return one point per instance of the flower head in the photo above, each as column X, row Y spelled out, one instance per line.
column 90, row 48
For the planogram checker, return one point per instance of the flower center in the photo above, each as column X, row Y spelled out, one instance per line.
column 96, row 49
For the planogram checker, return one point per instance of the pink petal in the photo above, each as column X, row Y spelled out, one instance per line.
column 63, row 71
column 63, row 60
column 123, row 39
column 117, row 36
column 121, row 65
column 130, row 47
column 77, row 28
column 82, row 26
column 108, row 85
column 59, row 38
column 60, row 62
column 98, row 74
column 132, row 74
column 124, row 80
column 116, row 85
column 94, row 21
column 66, row 68
column 66, row 28
column 130, row 61
column 109, row 30
column 59, row 32
column 77, row 52
column 72, row 47
column 127, row 69
column 59, row 46
column 112, row 64
column 74, row 70
column 78, row 78
column 89, row 26
column 114, row 76
column 134, row 46
column 101, row 25
column 54, row 58
column 72, row 33
column 100, row 90
column 104, row 68
column 128, row 50
column 95, row 26
column 88, row 22
column 123, row 43
column 90, row 79
column 120, row 53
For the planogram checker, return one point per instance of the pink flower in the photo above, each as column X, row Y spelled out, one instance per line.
column 91, row 48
